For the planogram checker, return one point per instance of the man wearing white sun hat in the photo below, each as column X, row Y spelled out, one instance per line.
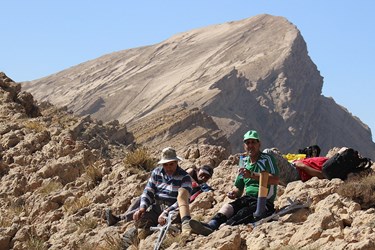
column 168, row 188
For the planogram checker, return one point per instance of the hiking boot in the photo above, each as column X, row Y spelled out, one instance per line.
column 110, row 218
column 200, row 227
column 130, row 237
column 185, row 232
column 185, row 228
column 262, row 215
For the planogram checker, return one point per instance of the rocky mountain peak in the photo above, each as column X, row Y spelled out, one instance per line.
column 248, row 74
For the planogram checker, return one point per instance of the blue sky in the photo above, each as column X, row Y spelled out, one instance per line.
column 42, row 37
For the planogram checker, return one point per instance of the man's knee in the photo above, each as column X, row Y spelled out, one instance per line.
column 227, row 210
column 183, row 195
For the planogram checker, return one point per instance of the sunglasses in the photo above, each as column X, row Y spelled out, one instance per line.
column 247, row 142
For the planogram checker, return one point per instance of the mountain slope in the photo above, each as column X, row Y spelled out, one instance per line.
column 249, row 74
column 59, row 172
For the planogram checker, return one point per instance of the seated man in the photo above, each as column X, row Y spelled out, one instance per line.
column 199, row 177
column 303, row 169
column 259, row 179
column 167, row 189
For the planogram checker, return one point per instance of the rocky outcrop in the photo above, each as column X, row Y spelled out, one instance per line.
column 249, row 74
column 14, row 102
column 45, row 154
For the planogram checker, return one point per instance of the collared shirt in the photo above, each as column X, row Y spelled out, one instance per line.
column 265, row 163
column 163, row 188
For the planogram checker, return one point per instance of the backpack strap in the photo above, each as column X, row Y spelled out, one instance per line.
column 365, row 164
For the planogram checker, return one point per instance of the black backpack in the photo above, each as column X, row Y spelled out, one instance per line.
column 340, row 165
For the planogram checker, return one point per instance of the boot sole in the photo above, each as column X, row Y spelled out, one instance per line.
column 198, row 228
column 111, row 219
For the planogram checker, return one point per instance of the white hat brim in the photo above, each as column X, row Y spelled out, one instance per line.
column 162, row 161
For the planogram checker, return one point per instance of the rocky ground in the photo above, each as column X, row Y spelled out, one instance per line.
column 59, row 172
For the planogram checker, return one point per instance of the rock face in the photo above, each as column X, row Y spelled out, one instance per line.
column 177, row 127
column 249, row 74
column 58, row 172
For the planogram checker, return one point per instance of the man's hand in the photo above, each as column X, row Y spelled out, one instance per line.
column 233, row 194
column 137, row 215
column 162, row 219
column 247, row 173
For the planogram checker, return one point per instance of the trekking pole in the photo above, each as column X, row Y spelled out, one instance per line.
column 293, row 205
column 164, row 230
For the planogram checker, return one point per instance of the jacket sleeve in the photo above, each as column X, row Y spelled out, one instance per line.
column 148, row 195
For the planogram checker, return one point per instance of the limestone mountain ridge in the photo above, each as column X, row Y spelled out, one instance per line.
column 248, row 74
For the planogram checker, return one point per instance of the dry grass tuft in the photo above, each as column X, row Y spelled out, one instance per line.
column 360, row 189
column 5, row 220
column 86, row 223
column 35, row 243
column 62, row 119
column 140, row 158
column 94, row 173
column 111, row 243
column 50, row 187
column 36, row 126
column 71, row 207
column 11, row 210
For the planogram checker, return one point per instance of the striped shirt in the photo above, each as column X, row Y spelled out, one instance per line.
column 265, row 163
column 163, row 188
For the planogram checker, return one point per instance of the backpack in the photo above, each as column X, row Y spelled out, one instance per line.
column 340, row 165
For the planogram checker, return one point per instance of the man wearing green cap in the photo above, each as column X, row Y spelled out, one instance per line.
column 258, row 178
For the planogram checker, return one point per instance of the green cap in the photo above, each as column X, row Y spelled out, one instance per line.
column 251, row 134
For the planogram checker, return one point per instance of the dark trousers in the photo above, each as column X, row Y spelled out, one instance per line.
column 150, row 217
column 244, row 207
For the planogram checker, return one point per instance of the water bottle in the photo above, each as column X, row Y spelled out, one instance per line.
column 241, row 163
